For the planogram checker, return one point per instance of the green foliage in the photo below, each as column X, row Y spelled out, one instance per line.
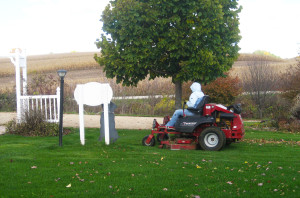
column 33, row 124
column 223, row 90
column 185, row 40
column 165, row 106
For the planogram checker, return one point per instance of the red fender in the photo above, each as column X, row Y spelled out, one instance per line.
column 149, row 138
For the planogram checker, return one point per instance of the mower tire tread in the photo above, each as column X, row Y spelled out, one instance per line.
column 151, row 143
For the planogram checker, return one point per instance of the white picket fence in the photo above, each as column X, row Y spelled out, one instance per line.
column 47, row 104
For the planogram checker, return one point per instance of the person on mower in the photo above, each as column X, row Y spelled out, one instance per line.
column 194, row 100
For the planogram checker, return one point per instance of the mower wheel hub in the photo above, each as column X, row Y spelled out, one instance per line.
column 211, row 139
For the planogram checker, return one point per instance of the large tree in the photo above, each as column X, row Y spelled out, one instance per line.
column 185, row 40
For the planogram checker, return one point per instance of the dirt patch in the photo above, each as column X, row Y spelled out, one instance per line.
column 93, row 121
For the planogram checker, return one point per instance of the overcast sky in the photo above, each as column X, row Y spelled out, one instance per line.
column 56, row 26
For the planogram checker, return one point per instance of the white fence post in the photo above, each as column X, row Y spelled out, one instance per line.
column 51, row 102
column 16, row 61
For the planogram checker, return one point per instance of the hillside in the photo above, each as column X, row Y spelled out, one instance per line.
column 278, row 65
column 52, row 62
column 82, row 67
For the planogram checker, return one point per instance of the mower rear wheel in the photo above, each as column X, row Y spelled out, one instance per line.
column 212, row 139
column 151, row 143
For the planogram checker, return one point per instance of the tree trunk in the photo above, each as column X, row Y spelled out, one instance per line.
column 178, row 94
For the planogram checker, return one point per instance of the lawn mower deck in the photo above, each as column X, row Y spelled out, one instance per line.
column 211, row 128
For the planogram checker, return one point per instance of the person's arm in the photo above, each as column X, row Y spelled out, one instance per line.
column 192, row 100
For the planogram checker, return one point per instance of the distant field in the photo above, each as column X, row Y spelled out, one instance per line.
column 278, row 65
column 52, row 62
column 82, row 68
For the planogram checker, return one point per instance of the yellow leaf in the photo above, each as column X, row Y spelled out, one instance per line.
column 198, row 166
column 68, row 186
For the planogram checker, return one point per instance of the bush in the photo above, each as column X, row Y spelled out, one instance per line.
column 291, row 82
column 295, row 111
column 7, row 100
column 249, row 109
column 223, row 90
column 42, row 84
column 291, row 92
column 140, row 107
column 33, row 124
column 165, row 106
column 283, row 114
column 276, row 107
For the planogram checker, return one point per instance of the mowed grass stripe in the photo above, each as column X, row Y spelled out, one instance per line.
column 38, row 167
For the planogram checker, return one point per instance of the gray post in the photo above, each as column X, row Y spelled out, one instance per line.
column 61, row 74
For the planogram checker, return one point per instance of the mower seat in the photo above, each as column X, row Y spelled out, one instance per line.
column 200, row 106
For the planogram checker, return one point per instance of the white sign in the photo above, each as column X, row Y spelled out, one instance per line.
column 93, row 94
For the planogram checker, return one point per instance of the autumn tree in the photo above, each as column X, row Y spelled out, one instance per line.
column 186, row 40
column 259, row 80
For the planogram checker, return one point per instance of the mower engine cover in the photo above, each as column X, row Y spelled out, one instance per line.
column 189, row 123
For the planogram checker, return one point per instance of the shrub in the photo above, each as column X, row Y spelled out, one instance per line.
column 284, row 114
column 223, row 90
column 42, row 84
column 291, row 82
column 291, row 93
column 249, row 109
column 165, row 106
column 136, row 106
column 295, row 110
column 33, row 124
column 7, row 100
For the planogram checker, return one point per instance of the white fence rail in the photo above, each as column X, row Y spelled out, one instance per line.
column 47, row 104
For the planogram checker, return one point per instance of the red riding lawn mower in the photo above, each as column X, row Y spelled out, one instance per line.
column 211, row 127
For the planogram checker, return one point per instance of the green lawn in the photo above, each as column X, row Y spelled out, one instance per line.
column 266, row 164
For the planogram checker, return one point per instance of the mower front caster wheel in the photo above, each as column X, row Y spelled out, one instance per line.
column 151, row 143
column 212, row 139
